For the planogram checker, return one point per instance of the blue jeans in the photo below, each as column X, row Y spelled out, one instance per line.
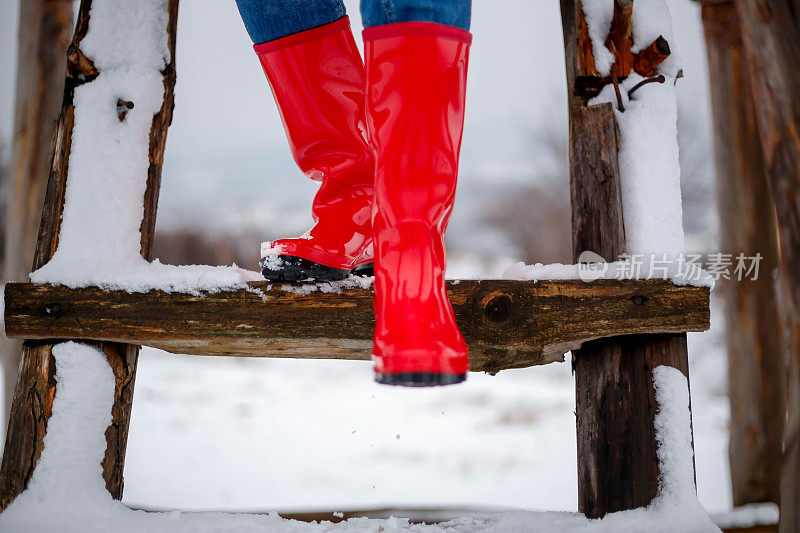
column 267, row 20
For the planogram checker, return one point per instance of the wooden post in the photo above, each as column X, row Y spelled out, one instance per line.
column 620, row 37
column 615, row 404
column 755, row 341
column 33, row 396
column 771, row 34
column 44, row 33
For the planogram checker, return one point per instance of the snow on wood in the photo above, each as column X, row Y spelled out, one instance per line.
column 507, row 324
column 648, row 144
column 599, row 14
column 673, row 427
column 648, row 266
column 748, row 516
column 99, row 241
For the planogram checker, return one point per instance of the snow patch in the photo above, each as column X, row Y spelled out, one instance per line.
column 127, row 34
column 648, row 156
column 330, row 287
column 649, row 266
column 677, row 495
column 270, row 255
column 137, row 275
column 748, row 516
column 649, row 169
column 599, row 14
column 99, row 240
column 651, row 19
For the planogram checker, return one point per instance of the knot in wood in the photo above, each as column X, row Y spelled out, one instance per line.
column 638, row 299
column 52, row 309
column 499, row 308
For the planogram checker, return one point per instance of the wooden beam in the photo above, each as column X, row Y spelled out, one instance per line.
column 44, row 31
column 771, row 36
column 755, row 341
column 508, row 324
column 33, row 396
column 620, row 37
column 615, row 407
column 646, row 62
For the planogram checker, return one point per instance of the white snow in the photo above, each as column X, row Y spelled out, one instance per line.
column 140, row 276
column 747, row 516
column 99, row 240
column 647, row 266
column 651, row 19
column 648, row 156
column 599, row 14
column 677, row 495
column 66, row 492
column 335, row 287
column 649, row 168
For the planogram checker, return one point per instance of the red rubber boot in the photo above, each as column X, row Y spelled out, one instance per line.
column 317, row 79
column 416, row 81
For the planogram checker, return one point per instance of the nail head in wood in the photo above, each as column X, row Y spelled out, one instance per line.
column 123, row 106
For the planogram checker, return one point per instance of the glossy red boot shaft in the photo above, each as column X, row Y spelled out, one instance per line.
column 317, row 78
column 416, row 85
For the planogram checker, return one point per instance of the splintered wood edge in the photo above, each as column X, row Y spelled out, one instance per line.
column 507, row 324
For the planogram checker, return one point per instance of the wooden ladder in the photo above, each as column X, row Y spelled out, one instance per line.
column 619, row 329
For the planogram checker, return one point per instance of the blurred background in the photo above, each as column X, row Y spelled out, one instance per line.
column 214, row 433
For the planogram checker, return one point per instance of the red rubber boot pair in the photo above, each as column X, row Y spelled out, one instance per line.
column 415, row 88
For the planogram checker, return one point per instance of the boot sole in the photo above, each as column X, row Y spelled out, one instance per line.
column 293, row 268
column 419, row 379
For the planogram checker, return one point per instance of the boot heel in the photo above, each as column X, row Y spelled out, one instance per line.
column 364, row 270
column 419, row 379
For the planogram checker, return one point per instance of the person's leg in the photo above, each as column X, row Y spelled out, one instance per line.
column 316, row 74
column 416, row 85
column 267, row 20
column 455, row 13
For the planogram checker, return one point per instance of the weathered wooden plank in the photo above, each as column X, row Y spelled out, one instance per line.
column 32, row 400
column 616, row 398
column 647, row 61
column 617, row 465
column 771, row 36
column 507, row 324
column 44, row 32
column 620, row 37
column 755, row 341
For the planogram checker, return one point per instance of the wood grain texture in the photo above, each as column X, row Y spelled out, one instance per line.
column 620, row 37
column 593, row 141
column 755, row 341
column 647, row 61
column 771, row 36
column 617, row 466
column 615, row 408
column 508, row 324
column 45, row 28
column 28, row 420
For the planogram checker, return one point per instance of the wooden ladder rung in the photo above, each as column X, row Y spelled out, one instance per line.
column 507, row 324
